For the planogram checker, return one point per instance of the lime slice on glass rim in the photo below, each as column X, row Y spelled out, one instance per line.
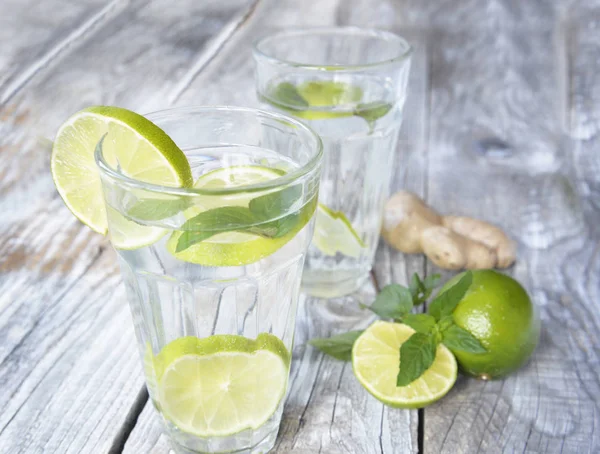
column 132, row 143
column 222, row 384
column 376, row 363
column 334, row 233
column 232, row 248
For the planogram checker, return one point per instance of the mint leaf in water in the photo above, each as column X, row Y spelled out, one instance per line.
column 286, row 95
column 416, row 356
column 421, row 323
column 457, row 338
column 445, row 303
column 212, row 222
column 255, row 219
column 372, row 111
column 394, row 301
column 339, row 346
column 274, row 204
column 157, row 209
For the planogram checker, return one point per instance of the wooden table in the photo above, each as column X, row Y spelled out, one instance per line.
column 502, row 123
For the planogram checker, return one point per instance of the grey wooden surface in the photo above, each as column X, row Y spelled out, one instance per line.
column 502, row 122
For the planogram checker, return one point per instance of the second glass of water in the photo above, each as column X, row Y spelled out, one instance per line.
column 349, row 85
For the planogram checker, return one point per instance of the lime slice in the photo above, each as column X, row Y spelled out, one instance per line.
column 223, row 384
column 226, row 178
column 321, row 93
column 135, row 145
column 233, row 248
column 334, row 233
column 376, row 364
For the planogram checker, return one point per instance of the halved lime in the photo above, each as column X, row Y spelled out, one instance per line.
column 376, row 362
column 135, row 145
column 223, row 384
column 232, row 248
column 334, row 233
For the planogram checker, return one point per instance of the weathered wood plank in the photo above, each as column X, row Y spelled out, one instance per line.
column 496, row 153
column 327, row 410
column 583, row 114
column 33, row 34
column 69, row 367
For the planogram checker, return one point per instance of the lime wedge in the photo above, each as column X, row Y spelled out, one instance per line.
column 334, row 233
column 376, row 362
column 223, row 384
column 233, row 248
column 135, row 145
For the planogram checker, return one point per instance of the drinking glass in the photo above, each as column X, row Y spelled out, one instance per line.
column 349, row 85
column 212, row 272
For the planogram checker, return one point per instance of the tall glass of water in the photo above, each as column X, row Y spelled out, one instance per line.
column 212, row 272
column 349, row 85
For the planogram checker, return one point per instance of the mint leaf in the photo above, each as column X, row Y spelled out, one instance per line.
column 394, row 301
column 445, row 303
column 421, row 290
column 416, row 356
column 445, row 323
column 287, row 94
column 421, row 323
column 157, row 209
column 274, row 204
column 431, row 282
column 457, row 338
column 255, row 219
column 217, row 220
column 339, row 346
column 372, row 111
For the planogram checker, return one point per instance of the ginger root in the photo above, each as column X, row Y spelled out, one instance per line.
column 451, row 242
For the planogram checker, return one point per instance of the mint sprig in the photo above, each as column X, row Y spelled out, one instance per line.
column 259, row 218
column 436, row 326
column 421, row 289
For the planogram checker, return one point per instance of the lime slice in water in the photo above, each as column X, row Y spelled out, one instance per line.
column 334, row 233
column 376, row 363
column 223, row 384
column 232, row 248
column 135, row 145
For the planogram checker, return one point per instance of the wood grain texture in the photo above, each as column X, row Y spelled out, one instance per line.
column 501, row 123
column 496, row 151
column 69, row 367
column 583, row 114
column 34, row 34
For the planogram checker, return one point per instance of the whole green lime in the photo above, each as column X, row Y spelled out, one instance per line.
column 496, row 310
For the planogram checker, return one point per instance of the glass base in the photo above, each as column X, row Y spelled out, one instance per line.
column 263, row 447
column 333, row 283
column 257, row 441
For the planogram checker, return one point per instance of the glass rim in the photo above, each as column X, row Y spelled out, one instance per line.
column 383, row 35
column 282, row 180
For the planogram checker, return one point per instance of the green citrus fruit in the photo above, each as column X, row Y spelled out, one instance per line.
column 496, row 310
